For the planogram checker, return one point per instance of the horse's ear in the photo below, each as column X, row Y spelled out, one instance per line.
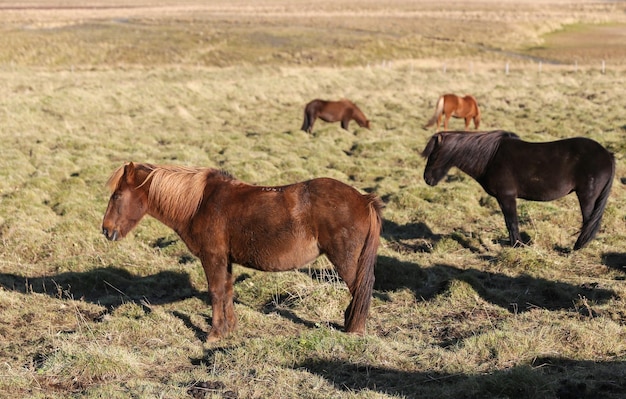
column 129, row 172
column 438, row 139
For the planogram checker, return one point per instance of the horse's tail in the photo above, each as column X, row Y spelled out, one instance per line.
column 438, row 111
column 306, row 123
column 357, row 312
column 591, row 227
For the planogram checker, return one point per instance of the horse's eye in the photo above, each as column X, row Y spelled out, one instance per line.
column 116, row 196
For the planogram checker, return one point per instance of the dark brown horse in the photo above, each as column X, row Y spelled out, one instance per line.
column 333, row 111
column 509, row 168
column 224, row 221
column 460, row 107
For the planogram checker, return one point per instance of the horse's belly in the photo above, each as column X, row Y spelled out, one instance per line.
column 327, row 117
column 545, row 194
column 284, row 255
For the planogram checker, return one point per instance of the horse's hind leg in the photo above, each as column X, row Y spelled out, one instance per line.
column 311, row 121
column 445, row 121
column 346, row 264
column 305, row 123
column 592, row 207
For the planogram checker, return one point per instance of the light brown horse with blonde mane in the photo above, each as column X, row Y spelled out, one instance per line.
column 269, row 228
column 333, row 111
column 459, row 107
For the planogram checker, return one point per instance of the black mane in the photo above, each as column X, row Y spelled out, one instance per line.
column 470, row 152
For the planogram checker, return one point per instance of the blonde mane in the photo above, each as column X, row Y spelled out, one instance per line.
column 175, row 191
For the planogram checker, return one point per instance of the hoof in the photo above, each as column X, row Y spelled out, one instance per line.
column 212, row 338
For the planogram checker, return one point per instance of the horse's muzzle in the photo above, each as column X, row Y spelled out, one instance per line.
column 111, row 236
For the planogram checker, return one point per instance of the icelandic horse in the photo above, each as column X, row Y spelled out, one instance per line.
column 508, row 168
column 450, row 105
column 223, row 221
column 333, row 111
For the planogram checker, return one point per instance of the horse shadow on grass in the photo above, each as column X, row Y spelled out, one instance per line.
column 516, row 294
column 550, row 377
column 412, row 237
column 418, row 237
column 107, row 286
column 615, row 260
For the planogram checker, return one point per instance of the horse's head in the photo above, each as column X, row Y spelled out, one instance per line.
column 127, row 205
column 436, row 168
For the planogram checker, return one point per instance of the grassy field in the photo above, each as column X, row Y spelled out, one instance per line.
column 456, row 312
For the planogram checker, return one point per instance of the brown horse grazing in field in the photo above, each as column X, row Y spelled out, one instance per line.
column 224, row 221
column 460, row 107
column 509, row 168
column 333, row 111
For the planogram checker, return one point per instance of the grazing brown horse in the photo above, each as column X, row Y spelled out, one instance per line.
column 509, row 168
column 460, row 107
column 224, row 221
column 333, row 111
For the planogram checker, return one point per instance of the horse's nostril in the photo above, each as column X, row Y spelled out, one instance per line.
column 105, row 231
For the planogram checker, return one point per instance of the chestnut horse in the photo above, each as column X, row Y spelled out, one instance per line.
column 509, row 168
column 333, row 111
column 224, row 221
column 460, row 107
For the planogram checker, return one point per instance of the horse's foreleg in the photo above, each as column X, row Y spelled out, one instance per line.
column 508, row 206
column 220, row 281
column 467, row 122
column 345, row 121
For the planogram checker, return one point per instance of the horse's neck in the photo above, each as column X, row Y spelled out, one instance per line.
column 163, row 214
column 174, row 209
column 358, row 116
column 471, row 162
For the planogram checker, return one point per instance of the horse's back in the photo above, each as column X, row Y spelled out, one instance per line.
column 332, row 111
column 546, row 171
